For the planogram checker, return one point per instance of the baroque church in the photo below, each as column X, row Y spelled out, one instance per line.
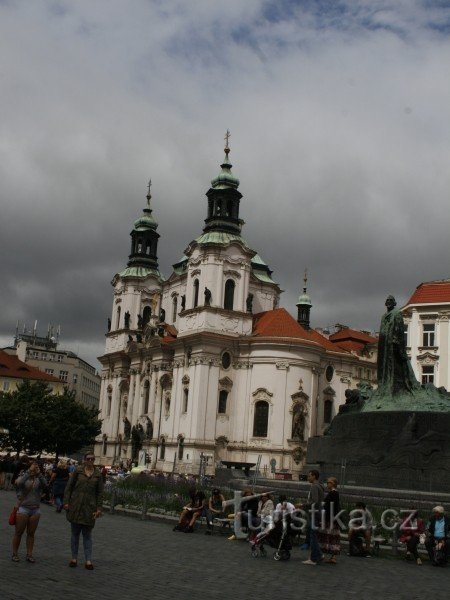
column 204, row 368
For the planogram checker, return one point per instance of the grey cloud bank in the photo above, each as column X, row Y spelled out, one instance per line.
column 340, row 137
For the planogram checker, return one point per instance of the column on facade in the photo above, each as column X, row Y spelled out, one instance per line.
column 115, row 410
column 219, row 283
column 443, row 378
column 131, row 394
column 314, row 395
column 199, row 398
column 212, row 394
column 242, row 283
column 137, row 398
column 415, row 342
column 175, row 402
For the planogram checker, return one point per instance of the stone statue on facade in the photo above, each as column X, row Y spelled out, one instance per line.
column 109, row 324
column 137, row 438
column 249, row 303
column 139, row 321
column 149, row 429
column 298, row 422
column 127, row 320
column 183, row 302
column 208, row 297
column 162, row 316
column 126, row 428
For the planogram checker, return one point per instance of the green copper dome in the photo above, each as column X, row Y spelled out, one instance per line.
column 225, row 179
column 304, row 299
column 146, row 221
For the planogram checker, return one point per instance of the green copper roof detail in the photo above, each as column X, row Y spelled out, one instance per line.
column 146, row 221
column 225, row 179
column 257, row 260
column 140, row 272
column 304, row 299
column 262, row 276
column 221, row 237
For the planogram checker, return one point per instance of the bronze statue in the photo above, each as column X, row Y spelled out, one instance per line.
column 208, row 297
column 395, row 374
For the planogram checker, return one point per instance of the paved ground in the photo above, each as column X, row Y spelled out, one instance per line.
column 137, row 559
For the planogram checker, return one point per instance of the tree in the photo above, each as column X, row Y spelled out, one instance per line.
column 38, row 421
column 70, row 425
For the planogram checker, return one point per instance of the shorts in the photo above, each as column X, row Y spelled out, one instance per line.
column 29, row 512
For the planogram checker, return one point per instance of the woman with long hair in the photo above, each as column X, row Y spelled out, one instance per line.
column 83, row 501
column 30, row 486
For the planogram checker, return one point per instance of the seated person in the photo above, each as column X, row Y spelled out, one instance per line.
column 284, row 506
column 191, row 512
column 362, row 525
column 248, row 511
column 438, row 534
column 214, row 509
column 410, row 530
column 265, row 508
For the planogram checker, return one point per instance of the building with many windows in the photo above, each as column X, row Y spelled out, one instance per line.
column 72, row 371
column 426, row 317
column 205, row 363
column 13, row 371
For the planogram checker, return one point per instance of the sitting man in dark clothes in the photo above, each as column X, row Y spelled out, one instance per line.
column 191, row 512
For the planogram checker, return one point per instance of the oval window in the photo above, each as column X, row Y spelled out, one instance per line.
column 329, row 373
column 226, row 360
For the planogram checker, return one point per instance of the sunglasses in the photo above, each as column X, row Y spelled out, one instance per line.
column 90, row 458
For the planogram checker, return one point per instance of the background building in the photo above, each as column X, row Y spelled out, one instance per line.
column 204, row 363
column 426, row 316
column 72, row 371
column 13, row 371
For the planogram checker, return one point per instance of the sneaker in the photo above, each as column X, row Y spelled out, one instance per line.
column 304, row 547
column 418, row 561
column 232, row 537
column 309, row 562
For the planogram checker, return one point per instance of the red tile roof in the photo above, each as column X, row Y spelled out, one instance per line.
column 11, row 366
column 431, row 292
column 354, row 335
column 279, row 323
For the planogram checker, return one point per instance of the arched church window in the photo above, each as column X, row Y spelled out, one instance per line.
column 104, row 445
column 261, row 419
column 223, row 396
column 229, row 295
column 146, row 396
column 196, row 290
column 147, row 313
column 327, row 411
column 147, row 248
column 118, row 317
column 162, row 450
column 109, row 402
column 180, row 448
column 174, row 308
column 229, row 208
column 185, row 399
column 139, row 245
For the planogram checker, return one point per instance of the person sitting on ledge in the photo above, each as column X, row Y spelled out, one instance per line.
column 249, row 508
column 362, row 527
column 191, row 512
column 214, row 510
column 438, row 534
column 411, row 529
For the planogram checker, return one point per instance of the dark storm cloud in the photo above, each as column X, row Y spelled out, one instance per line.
column 340, row 129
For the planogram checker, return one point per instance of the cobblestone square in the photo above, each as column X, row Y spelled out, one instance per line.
column 136, row 559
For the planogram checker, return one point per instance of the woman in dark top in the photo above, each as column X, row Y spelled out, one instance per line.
column 58, row 481
column 330, row 537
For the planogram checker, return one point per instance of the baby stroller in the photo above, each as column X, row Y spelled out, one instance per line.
column 276, row 535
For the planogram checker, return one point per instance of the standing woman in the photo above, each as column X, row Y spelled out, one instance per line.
column 30, row 486
column 59, row 480
column 83, row 500
column 330, row 537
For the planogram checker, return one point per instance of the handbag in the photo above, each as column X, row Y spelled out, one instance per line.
column 13, row 516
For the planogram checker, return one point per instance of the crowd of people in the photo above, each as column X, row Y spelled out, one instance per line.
column 321, row 527
column 78, row 490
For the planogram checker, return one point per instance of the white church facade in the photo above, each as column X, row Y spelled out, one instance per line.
column 205, row 363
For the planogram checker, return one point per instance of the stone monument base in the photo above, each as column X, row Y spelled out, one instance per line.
column 389, row 449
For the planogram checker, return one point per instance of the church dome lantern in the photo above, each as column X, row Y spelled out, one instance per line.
column 304, row 306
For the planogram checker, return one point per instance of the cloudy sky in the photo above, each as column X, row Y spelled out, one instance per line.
column 339, row 114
